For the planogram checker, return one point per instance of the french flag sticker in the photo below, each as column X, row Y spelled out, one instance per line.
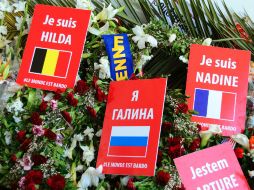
column 215, row 104
column 128, row 141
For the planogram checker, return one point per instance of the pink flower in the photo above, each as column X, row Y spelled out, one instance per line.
column 59, row 139
column 26, row 162
column 53, row 104
column 38, row 130
column 22, row 182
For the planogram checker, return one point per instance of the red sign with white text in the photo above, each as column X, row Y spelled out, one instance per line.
column 217, row 84
column 131, row 129
column 54, row 46
column 214, row 168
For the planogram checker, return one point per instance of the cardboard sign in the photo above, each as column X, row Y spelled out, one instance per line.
column 217, row 84
column 214, row 168
column 119, row 55
column 131, row 129
column 54, row 46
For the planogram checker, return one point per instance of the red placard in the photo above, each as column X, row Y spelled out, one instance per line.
column 131, row 129
column 54, row 46
column 211, row 169
column 217, row 84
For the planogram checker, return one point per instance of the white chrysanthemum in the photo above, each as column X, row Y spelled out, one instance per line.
column 88, row 154
column 19, row 6
column 172, row 38
column 183, row 59
column 103, row 67
column 90, row 178
column 85, row 4
column 3, row 30
column 18, row 22
column 7, row 137
column 107, row 13
column 16, row 107
column 141, row 38
column 89, row 132
column 5, row 6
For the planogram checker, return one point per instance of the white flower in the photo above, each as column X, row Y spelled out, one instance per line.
column 3, row 30
column 85, row 4
column 172, row 38
column 207, row 42
column 107, row 13
column 90, row 178
column 7, row 136
column 20, row 6
column 16, row 106
column 143, row 60
column 99, row 31
column 17, row 119
column 79, row 168
column 3, row 41
column 26, row 162
column 141, row 38
column 183, row 59
column 68, row 153
column 98, row 134
column 48, row 97
column 89, row 132
column 88, row 154
column 18, row 22
column 124, row 180
column 206, row 135
column 251, row 173
column 1, row 15
column 59, row 139
column 5, row 6
column 242, row 140
column 28, row 22
column 103, row 67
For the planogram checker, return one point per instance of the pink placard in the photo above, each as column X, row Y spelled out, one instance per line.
column 214, row 168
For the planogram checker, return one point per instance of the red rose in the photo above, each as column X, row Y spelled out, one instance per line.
column 91, row 111
column 30, row 186
column 38, row 159
column 13, row 158
column 67, row 116
column 58, row 95
column 50, row 134
column 239, row 152
column 162, row 178
column 71, row 100
column 21, row 136
column 56, row 182
column 35, row 118
column 182, row 108
column 34, row 176
column 130, row 184
column 195, row 144
column 243, row 33
column 166, row 126
column 95, row 80
column 199, row 127
column 175, row 151
column 174, row 141
column 159, row 157
column 181, row 188
column 100, row 95
column 24, row 146
column 43, row 106
column 81, row 87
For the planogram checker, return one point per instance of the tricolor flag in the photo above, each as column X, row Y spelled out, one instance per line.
column 50, row 62
column 215, row 104
column 130, row 141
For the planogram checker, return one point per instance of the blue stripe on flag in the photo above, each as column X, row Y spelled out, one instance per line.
column 128, row 141
column 201, row 102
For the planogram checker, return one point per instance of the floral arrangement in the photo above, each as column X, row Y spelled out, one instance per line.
column 50, row 140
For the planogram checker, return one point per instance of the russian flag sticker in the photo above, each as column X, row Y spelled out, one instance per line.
column 215, row 104
column 129, row 141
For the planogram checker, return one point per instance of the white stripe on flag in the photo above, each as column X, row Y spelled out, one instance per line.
column 214, row 104
column 131, row 131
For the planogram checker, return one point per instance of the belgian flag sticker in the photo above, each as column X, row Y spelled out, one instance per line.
column 51, row 62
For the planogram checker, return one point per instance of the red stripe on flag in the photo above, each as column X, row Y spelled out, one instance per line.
column 62, row 64
column 227, row 106
column 127, row 150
